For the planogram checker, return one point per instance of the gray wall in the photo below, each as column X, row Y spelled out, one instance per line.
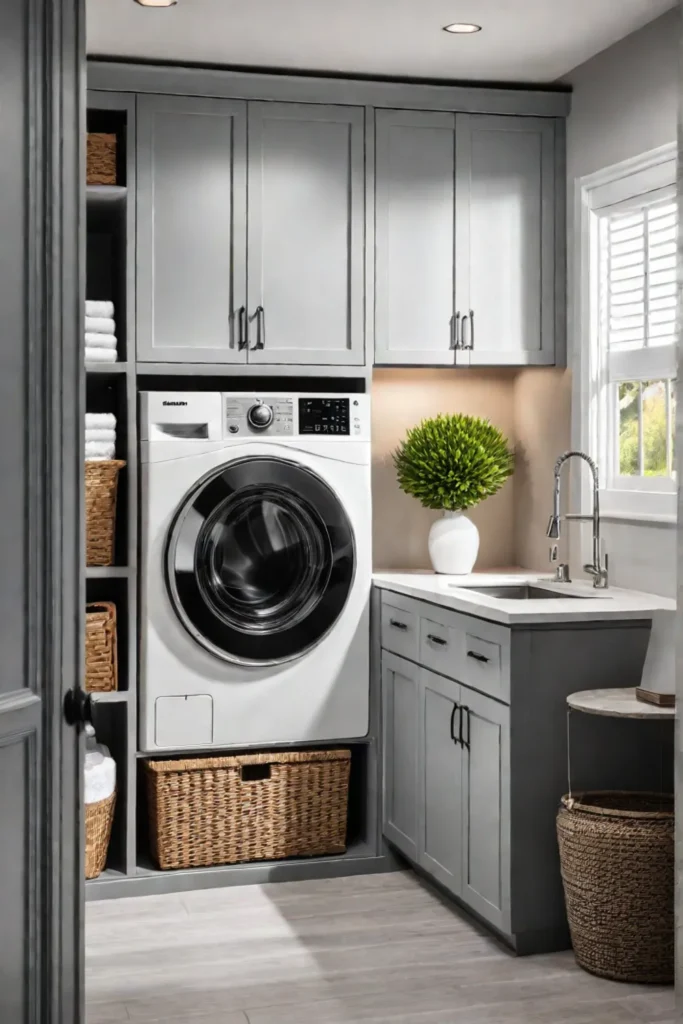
column 625, row 103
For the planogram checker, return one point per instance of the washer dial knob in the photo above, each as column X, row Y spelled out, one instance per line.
column 260, row 416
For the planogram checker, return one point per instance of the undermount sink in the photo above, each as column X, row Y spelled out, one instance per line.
column 522, row 592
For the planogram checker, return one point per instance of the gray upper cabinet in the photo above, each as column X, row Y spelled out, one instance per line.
column 468, row 252
column 441, row 851
column 486, row 808
column 505, row 239
column 306, row 234
column 414, row 237
column 191, row 229
column 400, row 726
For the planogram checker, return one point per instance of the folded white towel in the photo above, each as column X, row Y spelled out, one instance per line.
column 93, row 340
column 100, row 419
column 100, row 434
column 100, row 355
column 100, row 325
column 99, row 449
column 94, row 308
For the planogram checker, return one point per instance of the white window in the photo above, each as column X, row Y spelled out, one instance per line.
column 627, row 338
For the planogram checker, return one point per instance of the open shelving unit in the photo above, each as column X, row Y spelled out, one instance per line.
column 111, row 230
column 110, row 387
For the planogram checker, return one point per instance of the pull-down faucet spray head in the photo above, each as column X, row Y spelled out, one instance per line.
column 553, row 531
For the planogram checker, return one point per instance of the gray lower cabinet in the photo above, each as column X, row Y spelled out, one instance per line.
column 475, row 737
column 191, row 229
column 441, row 777
column 306, row 230
column 446, row 793
column 400, row 725
column 485, row 880
column 468, row 239
column 250, row 253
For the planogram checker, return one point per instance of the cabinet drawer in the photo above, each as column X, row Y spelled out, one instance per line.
column 400, row 631
column 439, row 647
column 483, row 666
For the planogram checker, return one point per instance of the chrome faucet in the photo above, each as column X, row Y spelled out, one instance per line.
column 596, row 569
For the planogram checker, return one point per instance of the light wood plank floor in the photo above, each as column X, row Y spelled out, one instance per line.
column 379, row 949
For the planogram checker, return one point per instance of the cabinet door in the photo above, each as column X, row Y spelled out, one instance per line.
column 415, row 238
column 486, row 808
column 306, row 234
column 440, row 765
column 505, row 239
column 191, row 229
column 400, row 734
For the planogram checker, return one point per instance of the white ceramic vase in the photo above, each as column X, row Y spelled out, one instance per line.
column 453, row 544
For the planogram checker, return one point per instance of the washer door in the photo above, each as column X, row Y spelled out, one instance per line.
column 260, row 561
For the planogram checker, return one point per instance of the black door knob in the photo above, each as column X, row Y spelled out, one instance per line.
column 78, row 707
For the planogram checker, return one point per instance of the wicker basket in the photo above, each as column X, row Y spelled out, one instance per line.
column 228, row 810
column 617, row 857
column 101, row 482
column 98, row 821
column 101, row 159
column 101, row 665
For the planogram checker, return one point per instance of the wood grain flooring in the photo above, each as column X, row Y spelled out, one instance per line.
column 376, row 949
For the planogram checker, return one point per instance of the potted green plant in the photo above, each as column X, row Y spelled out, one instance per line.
column 452, row 463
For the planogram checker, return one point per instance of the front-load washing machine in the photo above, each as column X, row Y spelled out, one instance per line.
column 255, row 569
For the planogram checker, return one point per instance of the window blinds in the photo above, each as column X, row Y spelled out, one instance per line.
column 638, row 276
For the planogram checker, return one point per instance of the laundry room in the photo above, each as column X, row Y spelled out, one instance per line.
column 374, row 596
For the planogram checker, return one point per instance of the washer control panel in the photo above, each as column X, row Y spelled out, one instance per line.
column 333, row 417
column 268, row 415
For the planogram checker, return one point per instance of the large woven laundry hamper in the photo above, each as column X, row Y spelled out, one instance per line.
column 617, row 858
column 229, row 810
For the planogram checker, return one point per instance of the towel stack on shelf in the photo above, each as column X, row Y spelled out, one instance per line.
column 100, row 436
column 100, row 332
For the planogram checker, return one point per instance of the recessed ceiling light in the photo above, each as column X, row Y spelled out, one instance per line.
column 156, row 3
column 462, row 28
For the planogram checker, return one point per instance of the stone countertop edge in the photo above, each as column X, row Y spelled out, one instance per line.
column 590, row 605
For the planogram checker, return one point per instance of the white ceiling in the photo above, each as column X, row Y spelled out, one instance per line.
column 522, row 40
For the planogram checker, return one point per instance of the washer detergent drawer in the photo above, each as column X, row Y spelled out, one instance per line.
column 183, row 721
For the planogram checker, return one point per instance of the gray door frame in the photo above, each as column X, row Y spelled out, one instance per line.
column 42, row 62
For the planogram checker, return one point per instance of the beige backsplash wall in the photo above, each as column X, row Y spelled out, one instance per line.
column 400, row 399
column 530, row 406
column 542, row 424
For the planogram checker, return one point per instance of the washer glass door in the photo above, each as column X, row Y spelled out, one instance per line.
column 260, row 560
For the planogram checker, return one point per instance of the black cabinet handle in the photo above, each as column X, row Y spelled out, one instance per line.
column 466, row 742
column 477, row 656
column 456, row 739
column 242, row 322
column 437, row 640
column 398, row 625
column 260, row 318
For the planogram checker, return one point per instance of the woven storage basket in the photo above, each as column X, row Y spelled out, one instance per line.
column 101, row 665
column 617, row 858
column 101, row 482
column 98, row 821
column 228, row 810
column 101, row 159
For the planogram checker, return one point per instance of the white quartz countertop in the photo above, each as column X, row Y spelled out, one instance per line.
column 583, row 603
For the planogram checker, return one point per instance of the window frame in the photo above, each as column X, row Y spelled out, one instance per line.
column 651, row 498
